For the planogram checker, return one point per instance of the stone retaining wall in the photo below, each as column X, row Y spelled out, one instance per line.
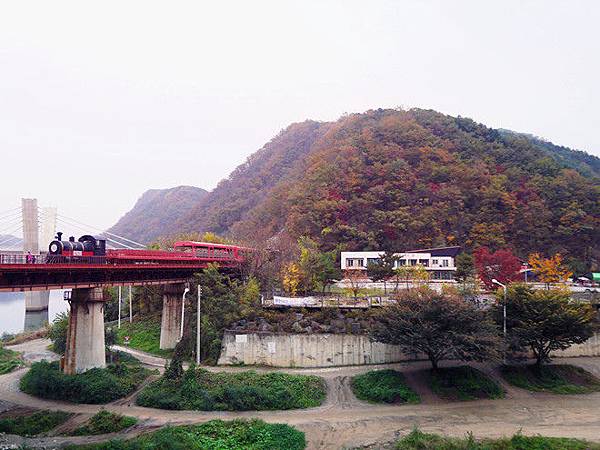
column 327, row 350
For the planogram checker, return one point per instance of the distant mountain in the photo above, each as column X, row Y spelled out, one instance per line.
column 156, row 211
column 395, row 179
column 10, row 242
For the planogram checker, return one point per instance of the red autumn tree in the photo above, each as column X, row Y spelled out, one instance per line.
column 502, row 265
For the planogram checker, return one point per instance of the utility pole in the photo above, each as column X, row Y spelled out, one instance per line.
column 119, row 320
column 198, row 327
column 130, row 306
column 504, row 304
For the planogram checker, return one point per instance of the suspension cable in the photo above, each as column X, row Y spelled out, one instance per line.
column 103, row 231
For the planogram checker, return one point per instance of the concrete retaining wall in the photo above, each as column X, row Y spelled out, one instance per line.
column 326, row 350
column 306, row 350
column 591, row 347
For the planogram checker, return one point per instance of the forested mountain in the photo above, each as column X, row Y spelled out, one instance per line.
column 155, row 212
column 394, row 179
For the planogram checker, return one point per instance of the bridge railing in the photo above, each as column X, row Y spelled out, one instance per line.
column 50, row 259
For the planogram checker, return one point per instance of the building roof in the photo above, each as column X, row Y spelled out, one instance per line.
column 439, row 251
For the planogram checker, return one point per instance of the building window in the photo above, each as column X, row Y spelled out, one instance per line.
column 373, row 261
column 434, row 262
column 349, row 262
column 401, row 262
column 413, row 262
column 444, row 263
column 424, row 262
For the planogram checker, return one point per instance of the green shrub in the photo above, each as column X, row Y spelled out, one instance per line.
column 559, row 379
column 202, row 390
column 463, row 383
column 105, row 422
column 9, row 360
column 418, row 440
column 387, row 386
column 36, row 423
column 94, row 386
column 57, row 333
column 214, row 435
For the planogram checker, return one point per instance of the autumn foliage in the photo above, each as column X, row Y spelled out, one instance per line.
column 549, row 270
column 501, row 265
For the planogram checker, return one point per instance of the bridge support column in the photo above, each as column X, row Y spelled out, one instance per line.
column 85, row 335
column 171, row 315
column 36, row 309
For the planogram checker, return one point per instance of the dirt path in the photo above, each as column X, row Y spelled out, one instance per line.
column 343, row 421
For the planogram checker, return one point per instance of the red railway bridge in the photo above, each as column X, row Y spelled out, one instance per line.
column 87, row 275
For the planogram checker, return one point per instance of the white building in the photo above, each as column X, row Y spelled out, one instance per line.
column 440, row 262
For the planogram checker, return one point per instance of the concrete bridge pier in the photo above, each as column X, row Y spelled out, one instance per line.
column 85, row 335
column 36, row 309
column 170, row 326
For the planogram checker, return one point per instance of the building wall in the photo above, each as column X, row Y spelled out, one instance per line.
column 328, row 350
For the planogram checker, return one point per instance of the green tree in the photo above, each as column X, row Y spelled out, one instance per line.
column 441, row 326
column 545, row 320
column 57, row 333
column 383, row 269
column 465, row 267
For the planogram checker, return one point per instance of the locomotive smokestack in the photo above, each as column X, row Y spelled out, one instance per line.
column 72, row 239
column 59, row 235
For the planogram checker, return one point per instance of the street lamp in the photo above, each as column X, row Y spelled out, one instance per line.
column 185, row 291
column 504, row 308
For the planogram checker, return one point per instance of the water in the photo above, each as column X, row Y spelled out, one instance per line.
column 13, row 318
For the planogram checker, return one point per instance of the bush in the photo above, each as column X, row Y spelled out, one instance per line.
column 105, row 422
column 558, row 379
column 57, row 333
column 463, row 383
column 36, row 423
column 387, row 386
column 201, row 390
column 9, row 360
column 214, row 435
column 418, row 440
column 93, row 386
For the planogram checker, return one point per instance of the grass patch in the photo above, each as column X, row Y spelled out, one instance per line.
column 94, row 386
column 463, row 383
column 214, row 435
column 9, row 360
column 383, row 386
column 143, row 335
column 558, row 379
column 105, row 422
column 418, row 440
column 199, row 389
column 32, row 424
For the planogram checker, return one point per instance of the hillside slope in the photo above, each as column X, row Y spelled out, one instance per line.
column 400, row 179
column 156, row 211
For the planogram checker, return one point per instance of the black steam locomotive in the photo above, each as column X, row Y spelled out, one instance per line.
column 87, row 245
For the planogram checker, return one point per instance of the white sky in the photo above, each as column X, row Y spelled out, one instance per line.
column 102, row 101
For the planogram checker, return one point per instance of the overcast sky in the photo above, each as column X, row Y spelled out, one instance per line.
column 102, row 101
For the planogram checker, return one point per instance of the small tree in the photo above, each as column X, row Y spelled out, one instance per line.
column 356, row 279
column 545, row 321
column 382, row 269
column 549, row 270
column 465, row 267
column 442, row 326
column 291, row 278
column 417, row 273
column 501, row 265
column 57, row 333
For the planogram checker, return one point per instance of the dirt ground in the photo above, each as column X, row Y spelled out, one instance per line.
column 346, row 422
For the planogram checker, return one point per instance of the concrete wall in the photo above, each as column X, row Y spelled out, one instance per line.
column 591, row 347
column 306, row 350
column 325, row 350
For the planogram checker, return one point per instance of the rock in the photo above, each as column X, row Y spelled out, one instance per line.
column 355, row 328
column 314, row 325
column 299, row 316
column 264, row 326
column 296, row 327
column 308, row 330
